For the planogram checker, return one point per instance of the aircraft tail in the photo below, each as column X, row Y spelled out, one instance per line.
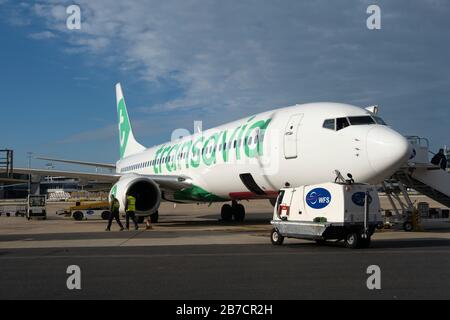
column 128, row 145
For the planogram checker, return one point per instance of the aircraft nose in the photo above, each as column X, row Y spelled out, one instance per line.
column 387, row 150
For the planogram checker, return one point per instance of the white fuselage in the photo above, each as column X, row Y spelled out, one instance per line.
column 256, row 156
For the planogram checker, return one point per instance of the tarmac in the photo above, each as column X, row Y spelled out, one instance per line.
column 192, row 255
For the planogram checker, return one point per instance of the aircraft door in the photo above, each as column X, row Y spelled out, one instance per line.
column 291, row 136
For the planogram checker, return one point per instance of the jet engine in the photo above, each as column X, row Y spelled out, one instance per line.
column 144, row 189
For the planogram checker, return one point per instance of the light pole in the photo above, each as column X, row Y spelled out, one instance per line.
column 29, row 154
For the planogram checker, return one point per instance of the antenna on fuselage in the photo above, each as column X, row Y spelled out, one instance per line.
column 372, row 109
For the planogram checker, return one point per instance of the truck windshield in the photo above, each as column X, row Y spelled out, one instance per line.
column 37, row 201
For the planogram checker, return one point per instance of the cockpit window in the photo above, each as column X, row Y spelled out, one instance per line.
column 378, row 120
column 361, row 120
column 341, row 123
column 344, row 122
column 329, row 124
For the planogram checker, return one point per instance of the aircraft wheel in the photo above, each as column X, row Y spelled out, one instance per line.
column 226, row 212
column 239, row 213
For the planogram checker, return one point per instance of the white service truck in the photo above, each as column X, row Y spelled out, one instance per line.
column 329, row 211
column 36, row 207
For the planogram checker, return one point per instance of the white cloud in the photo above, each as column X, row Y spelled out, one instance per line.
column 238, row 57
column 42, row 35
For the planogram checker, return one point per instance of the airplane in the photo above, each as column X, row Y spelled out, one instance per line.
column 251, row 158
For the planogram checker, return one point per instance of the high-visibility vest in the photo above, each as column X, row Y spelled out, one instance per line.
column 131, row 203
column 115, row 206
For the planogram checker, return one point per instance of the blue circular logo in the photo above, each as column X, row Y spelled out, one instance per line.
column 318, row 198
column 358, row 198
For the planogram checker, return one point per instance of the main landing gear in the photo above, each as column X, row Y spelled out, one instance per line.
column 235, row 211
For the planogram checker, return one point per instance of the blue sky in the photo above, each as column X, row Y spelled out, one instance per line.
column 214, row 61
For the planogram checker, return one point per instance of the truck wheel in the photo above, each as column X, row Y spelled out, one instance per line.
column 105, row 215
column 8, row 214
column 226, row 213
column 78, row 215
column 408, row 226
column 353, row 240
column 276, row 238
column 239, row 213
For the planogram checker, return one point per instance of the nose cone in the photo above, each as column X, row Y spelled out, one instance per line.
column 387, row 150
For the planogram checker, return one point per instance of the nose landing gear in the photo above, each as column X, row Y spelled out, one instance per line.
column 235, row 211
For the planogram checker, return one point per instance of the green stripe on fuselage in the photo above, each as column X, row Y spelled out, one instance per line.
column 193, row 150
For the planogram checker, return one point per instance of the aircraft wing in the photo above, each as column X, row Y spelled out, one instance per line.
column 166, row 182
column 104, row 177
column 83, row 163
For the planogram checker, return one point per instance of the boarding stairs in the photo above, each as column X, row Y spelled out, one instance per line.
column 419, row 174
column 422, row 176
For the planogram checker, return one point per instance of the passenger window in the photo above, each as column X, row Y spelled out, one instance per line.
column 341, row 123
column 329, row 124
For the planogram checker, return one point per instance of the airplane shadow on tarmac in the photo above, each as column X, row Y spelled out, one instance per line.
column 213, row 220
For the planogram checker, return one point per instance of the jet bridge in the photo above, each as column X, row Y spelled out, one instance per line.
column 418, row 174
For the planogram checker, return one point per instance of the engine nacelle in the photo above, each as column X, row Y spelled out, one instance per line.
column 144, row 189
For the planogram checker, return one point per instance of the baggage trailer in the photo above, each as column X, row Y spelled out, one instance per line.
column 87, row 211
column 328, row 211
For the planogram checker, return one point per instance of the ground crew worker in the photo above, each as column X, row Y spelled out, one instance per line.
column 130, row 212
column 440, row 159
column 114, row 209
